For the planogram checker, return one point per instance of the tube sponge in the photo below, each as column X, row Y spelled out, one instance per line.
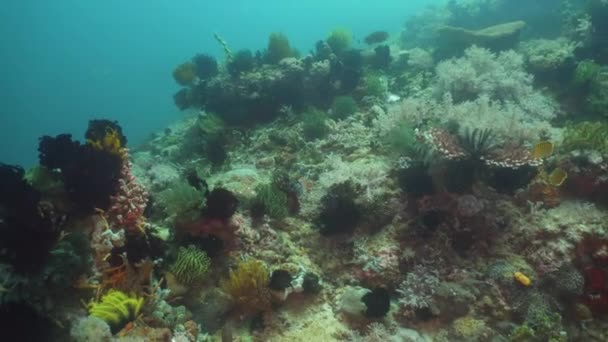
column 117, row 308
column 191, row 265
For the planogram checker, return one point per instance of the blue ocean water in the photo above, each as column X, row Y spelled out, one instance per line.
column 67, row 61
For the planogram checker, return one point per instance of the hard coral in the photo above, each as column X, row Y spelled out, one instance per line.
column 129, row 203
column 248, row 287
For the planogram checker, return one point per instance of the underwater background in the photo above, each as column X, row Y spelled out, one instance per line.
column 68, row 61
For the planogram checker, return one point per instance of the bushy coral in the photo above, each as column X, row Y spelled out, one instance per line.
column 247, row 285
column 343, row 107
column 206, row 66
column 90, row 174
column 117, row 308
column 547, row 55
column 480, row 72
column 242, row 61
column 339, row 213
column 191, row 265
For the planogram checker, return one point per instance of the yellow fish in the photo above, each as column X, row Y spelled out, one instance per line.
column 542, row 149
column 522, row 279
column 557, row 177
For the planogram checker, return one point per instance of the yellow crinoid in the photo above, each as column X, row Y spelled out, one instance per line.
column 117, row 308
column 111, row 142
column 248, row 287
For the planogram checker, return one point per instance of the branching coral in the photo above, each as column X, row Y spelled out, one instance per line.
column 191, row 265
column 418, row 288
column 247, row 285
column 117, row 308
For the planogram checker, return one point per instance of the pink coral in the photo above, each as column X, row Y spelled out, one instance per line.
column 128, row 205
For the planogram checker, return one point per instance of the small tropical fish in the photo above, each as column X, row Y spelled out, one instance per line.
column 376, row 37
column 522, row 279
column 542, row 149
column 557, row 177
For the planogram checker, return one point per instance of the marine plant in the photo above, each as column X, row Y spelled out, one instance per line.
column 339, row 40
column 206, row 66
column 182, row 201
column 586, row 135
column 586, row 72
column 374, row 85
column 185, row 74
column 339, row 213
column 211, row 126
column 190, row 266
column 343, row 107
column 314, row 124
column 402, row 140
column 117, row 308
column 242, row 61
column 270, row 200
column 278, row 48
column 247, row 285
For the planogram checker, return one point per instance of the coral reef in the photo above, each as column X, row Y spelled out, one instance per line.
column 411, row 189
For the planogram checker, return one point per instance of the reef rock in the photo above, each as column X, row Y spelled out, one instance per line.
column 454, row 40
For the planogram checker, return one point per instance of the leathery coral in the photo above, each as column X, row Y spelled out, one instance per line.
column 128, row 204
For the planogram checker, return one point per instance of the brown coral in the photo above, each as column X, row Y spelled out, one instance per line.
column 185, row 74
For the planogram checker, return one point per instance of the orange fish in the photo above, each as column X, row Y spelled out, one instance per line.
column 542, row 149
column 557, row 177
